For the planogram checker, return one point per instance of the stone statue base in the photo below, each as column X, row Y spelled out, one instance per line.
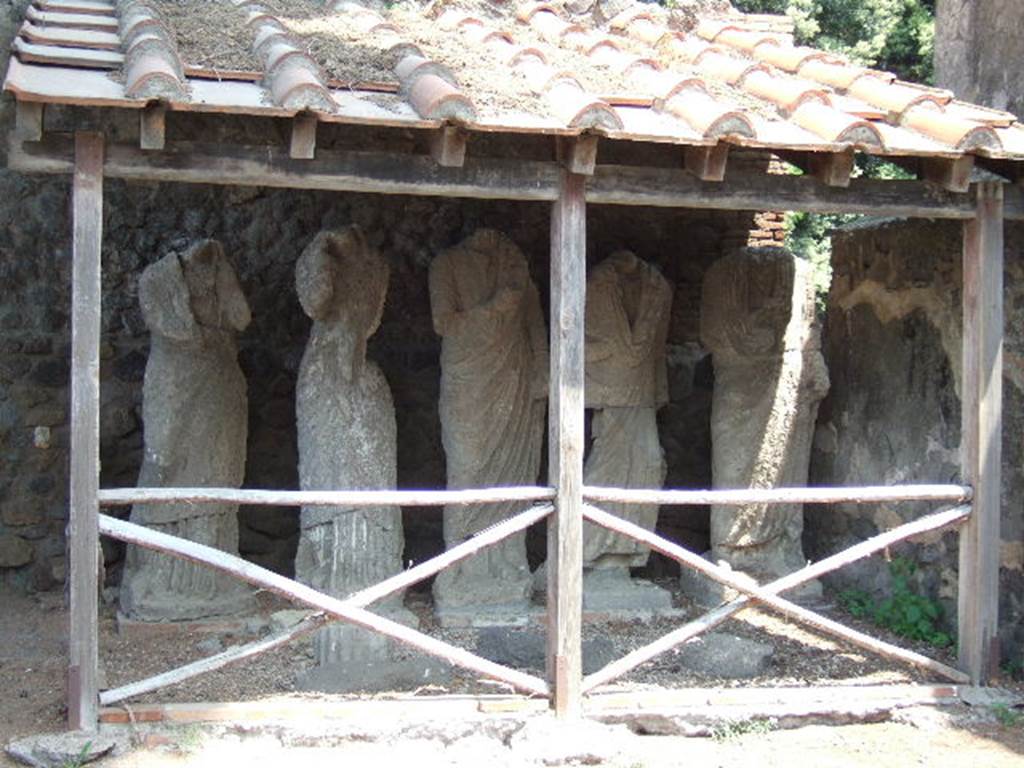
column 480, row 616
column 352, row 658
column 614, row 591
column 611, row 594
column 142, row 602
column 708, row 593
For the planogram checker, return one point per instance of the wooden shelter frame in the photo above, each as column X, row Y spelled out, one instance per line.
column 568, row 183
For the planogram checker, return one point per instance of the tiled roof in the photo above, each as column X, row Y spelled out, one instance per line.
column 490, row 67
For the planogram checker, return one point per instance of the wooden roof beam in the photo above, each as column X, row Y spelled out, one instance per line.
column 28, row 120
column 153, row 126
column 448, row 146
column 500, row 179
column 950, row 174
column 303, row 141
column 707, row 163
column 833, row 169
column 578, row 154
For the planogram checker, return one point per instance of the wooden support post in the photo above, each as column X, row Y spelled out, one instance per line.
column 707, row 163
column 303, row 145
column 578, row 154
column 28, row 120
column 981, row 442
column 565, row 527
column 153, row 127
column 448, row 146
column 83, row 529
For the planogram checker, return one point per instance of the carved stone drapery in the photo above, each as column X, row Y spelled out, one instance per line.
column 194, row 411
column 494, row 363
column 758, row 319
column 346, row 434
column 627, row 316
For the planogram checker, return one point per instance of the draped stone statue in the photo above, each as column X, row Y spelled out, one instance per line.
column 346, row 435
column 194, row 411
column 627, row 317
column 494, row 364
column 758, row 320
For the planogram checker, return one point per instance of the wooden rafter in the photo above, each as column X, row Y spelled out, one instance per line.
column 292, row 590
column 485, row 178
column 316, row 621
column 764, row 594
column 711, row 619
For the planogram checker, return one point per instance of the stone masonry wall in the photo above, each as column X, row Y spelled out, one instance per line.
column 264, row 231
column 892, row 343
column 979, row 51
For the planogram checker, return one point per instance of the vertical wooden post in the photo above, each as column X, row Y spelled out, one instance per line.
column 83, row 530
column 565, row 527
column 982, row 397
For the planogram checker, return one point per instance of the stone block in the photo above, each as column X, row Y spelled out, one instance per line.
column 526, row 648
column 14, row 551
column 725, row 656
column 21, row 512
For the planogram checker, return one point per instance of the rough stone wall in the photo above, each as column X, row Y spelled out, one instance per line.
column 979, row 51
column 892, row 342
column 264, row 231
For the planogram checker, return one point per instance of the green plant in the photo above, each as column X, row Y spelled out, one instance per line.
column 190, row 739
column 80, row 759
column 1007, row 717
column 1014, row 669
column 904, row 611
column 733, row 729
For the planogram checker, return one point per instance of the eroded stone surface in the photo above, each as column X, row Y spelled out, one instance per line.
column 60, row 750
column 627, row 318
column 194, row 410
column 758, row 320
column 721, row 655
column 494, row 364
column 346, row 435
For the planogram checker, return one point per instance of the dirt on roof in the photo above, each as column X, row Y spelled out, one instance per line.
column 492, row 85
column 211, row 35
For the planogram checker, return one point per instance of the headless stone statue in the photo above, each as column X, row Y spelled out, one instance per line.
column 346, row 436
column 627, row 317
column 758, row 321
column 194, row 411
column 493, row 386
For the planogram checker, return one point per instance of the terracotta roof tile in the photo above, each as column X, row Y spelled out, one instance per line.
column 98, row 22
column 564, row 96
column 291, row 77
column 739, row 78
column 77, row 38
column 97, row 7
column 152, row 67
column 432, row 90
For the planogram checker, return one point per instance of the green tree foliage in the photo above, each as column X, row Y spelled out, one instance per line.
column 895, row 35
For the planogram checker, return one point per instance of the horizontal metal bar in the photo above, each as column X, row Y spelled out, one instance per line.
column 853, row 495
column 115, row 496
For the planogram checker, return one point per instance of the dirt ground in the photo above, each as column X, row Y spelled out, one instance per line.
column 33, row 651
